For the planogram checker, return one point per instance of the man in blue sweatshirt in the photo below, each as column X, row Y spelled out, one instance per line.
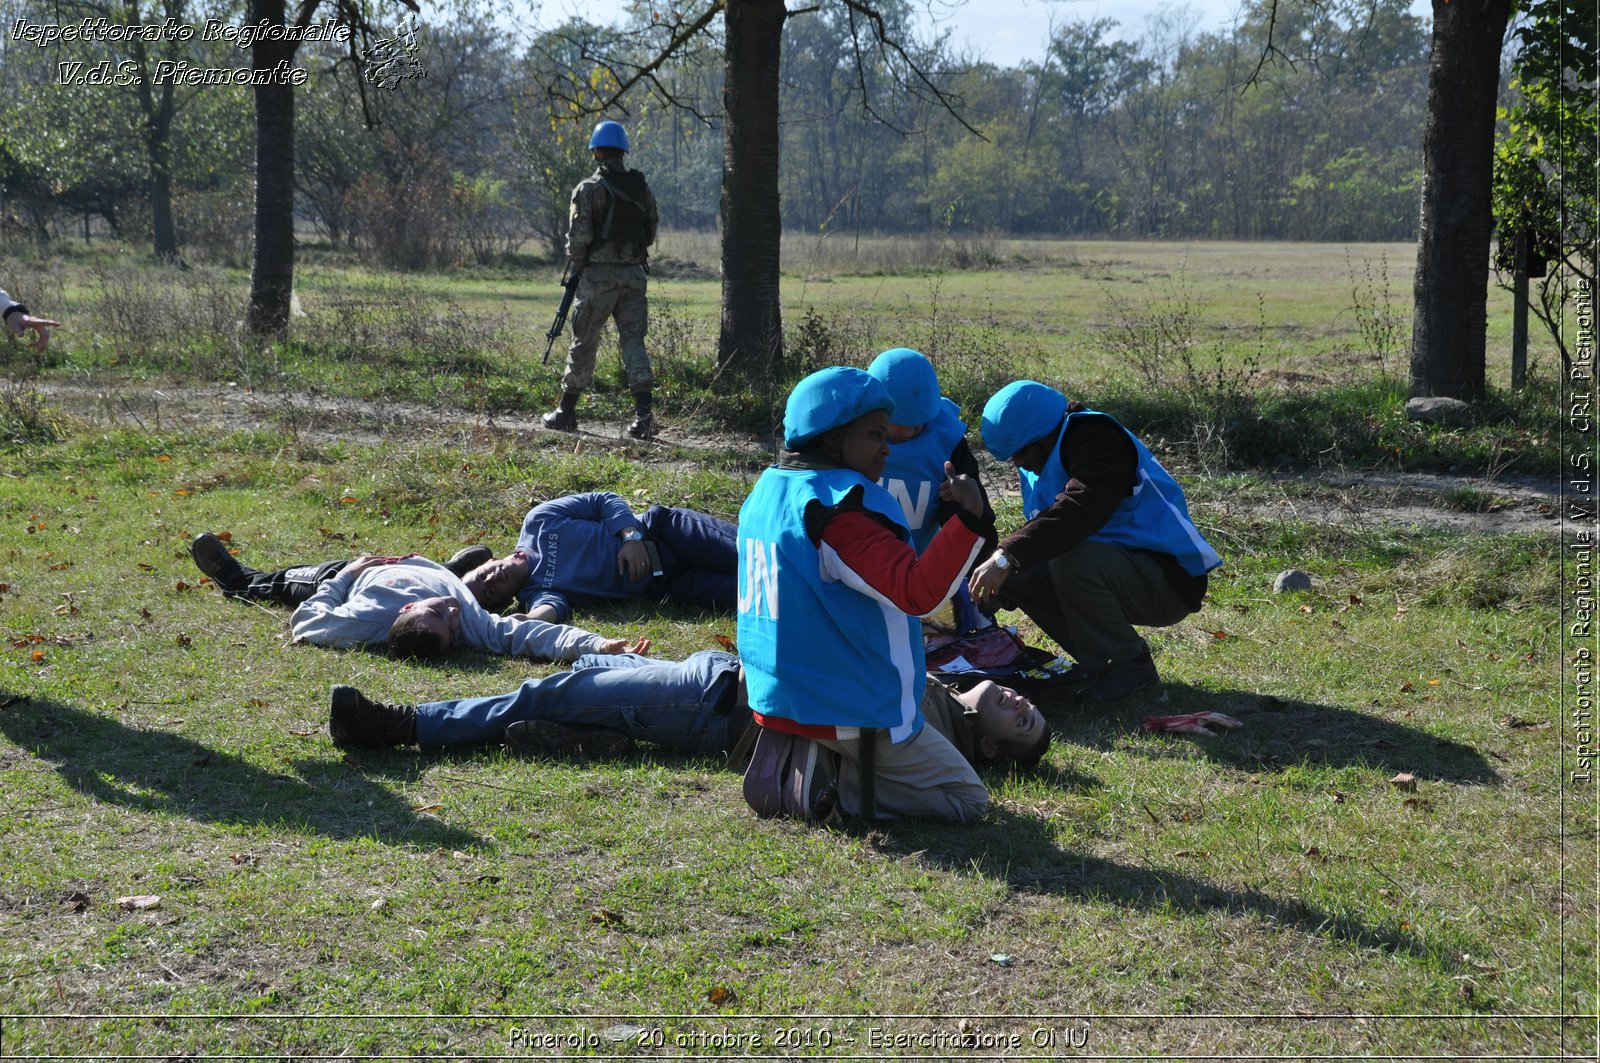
column 592, row 545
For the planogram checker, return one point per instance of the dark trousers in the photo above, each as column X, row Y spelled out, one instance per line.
column 699, row 557
column 286, row 586
column 1089, row 598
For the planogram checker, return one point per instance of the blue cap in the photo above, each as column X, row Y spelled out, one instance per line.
column 829, row 398
column 912, row 384
column 1019, row 413
column 609, row 135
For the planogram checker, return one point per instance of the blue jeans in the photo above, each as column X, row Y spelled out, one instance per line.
column 681, row 706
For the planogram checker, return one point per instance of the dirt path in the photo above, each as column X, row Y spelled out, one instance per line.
column 1427, row 500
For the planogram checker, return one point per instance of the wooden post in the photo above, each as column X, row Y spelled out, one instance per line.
column 1519, row 310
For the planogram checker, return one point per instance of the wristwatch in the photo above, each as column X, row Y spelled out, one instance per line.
column 633, row 535
column 1001, row 560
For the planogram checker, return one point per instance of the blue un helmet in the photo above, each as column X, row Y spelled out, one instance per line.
column 609, row 134
column 1019, row 413
column 829, row 398
column 912, row 384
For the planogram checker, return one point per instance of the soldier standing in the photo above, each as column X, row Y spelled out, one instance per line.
column 613, row 224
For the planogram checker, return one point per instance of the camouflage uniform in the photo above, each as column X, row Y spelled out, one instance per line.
column 612, row 281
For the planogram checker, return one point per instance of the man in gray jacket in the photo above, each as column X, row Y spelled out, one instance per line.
column 420, row 608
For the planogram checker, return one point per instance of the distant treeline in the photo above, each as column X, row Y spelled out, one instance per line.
column 1159, row 132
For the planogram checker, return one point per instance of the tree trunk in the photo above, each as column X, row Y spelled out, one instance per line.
column 272, row 261
column 158, row 111
column 751, row 341
column 1452, row 282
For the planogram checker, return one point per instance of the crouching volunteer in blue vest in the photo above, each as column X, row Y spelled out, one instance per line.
column 1108, row 541
column 926, row 432
column 829, row 594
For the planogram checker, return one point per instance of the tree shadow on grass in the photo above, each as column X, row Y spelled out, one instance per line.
column 1279, row 733
column 161, row 772
column 1019, row 849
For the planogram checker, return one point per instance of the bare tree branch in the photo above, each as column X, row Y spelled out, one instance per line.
column 886, row 44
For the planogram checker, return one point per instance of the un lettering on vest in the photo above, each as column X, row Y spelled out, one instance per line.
column 760, row 584
column 916, row 512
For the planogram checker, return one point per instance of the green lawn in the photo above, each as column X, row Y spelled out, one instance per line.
column 158, row 740
column 1268, row 892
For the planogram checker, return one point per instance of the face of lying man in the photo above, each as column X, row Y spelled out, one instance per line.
column 1007, row 721
column 494, row 583
column 441, row 616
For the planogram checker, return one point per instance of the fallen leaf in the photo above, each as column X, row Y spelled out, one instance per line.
column 1355, row 599
column 182, row 586
column 1407, row 687
column 146, row 568
column 380, row 904
column 164, row 457
column 61, row 567
column 182, row 491
column 259, row 703
column 419, row 808
column 1000, row 959
column 1315, row 853
column 1404, row 781
column 726, row 643
column 76, row 901
column 244, row 858
column 1308, row 609
column 185, row 640
column 1417, row 802
column 606, row 917
column 36, row 656
column 226, row 537
column 721, row 994
column 305, row 734
column 1400, row 610
column 138, row 902
column 349, row 498
column 1219, row 634
column 1434, row 682
column 144, row 614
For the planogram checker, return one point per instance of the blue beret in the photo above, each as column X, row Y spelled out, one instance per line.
column 829, row 398
column 912, row 384
column 1019, row 413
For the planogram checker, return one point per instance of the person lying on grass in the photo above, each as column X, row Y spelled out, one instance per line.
column 696, row 707
column 293, row 585
column 419, row 608
column 593, row 546
column 18, row 320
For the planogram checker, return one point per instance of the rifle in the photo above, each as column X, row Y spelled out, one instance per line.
column 569, row 281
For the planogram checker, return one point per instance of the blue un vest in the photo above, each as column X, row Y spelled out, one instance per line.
column 916, row 469
column 817, row 652
column 1154, row 517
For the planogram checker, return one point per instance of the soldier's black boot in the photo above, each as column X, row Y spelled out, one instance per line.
column 644, row 423
column 564, row 418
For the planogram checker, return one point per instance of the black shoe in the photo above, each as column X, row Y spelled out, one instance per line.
column 212, row 557
column 1123, row 679
column 643, row 426
column 468, row 558
column 355, row 721
column 561, row 420
column 547, row 738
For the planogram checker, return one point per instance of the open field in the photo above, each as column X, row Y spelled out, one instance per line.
column 1266, row 892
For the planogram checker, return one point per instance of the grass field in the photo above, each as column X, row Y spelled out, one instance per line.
column 1268, row 892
